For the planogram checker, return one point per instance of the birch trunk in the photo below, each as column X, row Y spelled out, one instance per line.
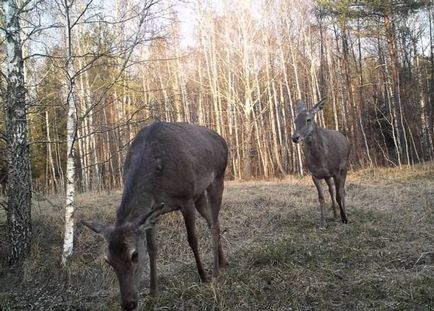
column 19, row 225
column 50, row 161
column 71, row 130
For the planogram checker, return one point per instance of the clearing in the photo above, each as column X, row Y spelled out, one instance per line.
column 383, row 259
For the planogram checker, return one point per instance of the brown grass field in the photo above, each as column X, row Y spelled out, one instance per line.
column 383, row 259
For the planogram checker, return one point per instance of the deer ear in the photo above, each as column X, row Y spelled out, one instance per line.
column 149, row 219
column 318, row 106
column 299, row 106
column 96, row 227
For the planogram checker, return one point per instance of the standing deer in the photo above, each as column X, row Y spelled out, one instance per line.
column 169, row 166
column 326, row 152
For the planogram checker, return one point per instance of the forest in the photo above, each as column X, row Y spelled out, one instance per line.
column 80, row 78
column 239, row 71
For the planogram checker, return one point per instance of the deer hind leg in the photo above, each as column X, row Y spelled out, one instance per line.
column 332, row 195
column 340, row 194
column 317, row 183
column 190, row 223
column 215, row 194
column 204, row 209
column 152, row 252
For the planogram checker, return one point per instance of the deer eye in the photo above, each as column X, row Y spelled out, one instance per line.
column 308, row 120
column 134, row 256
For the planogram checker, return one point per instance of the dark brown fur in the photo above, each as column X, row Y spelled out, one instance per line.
column 180, row 166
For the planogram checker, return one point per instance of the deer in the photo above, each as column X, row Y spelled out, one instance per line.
column 326, row 155
column 168, row 167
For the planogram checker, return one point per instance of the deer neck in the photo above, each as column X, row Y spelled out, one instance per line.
column 313, row 144
column 313, row 139
column 140, row 202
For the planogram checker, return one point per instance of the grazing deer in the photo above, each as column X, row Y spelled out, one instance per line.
column 169, row 166
column 326, row 152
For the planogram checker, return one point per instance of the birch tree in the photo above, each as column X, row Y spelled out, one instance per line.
column 71, row 132
column 19, row 225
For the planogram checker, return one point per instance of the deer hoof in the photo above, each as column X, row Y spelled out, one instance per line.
column 205, row 279
column 223, row 264
column 344, row 220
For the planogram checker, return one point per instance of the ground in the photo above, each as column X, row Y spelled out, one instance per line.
column 383, row 259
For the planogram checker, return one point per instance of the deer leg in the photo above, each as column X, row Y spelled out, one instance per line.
column 215, row 191
column 340, row 194
column 317, row 183
column 203, row 207
column 190, row 224
column 332, row 195
column 152, row 252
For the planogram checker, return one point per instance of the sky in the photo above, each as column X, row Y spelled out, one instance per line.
column 188, row 21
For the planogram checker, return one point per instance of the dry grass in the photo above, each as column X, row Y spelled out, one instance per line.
column 279, row 259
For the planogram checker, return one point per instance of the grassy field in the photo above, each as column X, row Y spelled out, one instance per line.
column 383, row 259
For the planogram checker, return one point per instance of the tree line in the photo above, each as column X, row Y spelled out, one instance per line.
column 371, row 59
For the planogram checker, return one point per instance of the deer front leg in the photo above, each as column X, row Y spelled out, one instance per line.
column 332, row 195
column 190, row 224
column 340, row 195
column 317, row 183
column 152, row 252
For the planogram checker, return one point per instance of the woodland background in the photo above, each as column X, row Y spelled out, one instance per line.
column 234, row 66
column 79, row 78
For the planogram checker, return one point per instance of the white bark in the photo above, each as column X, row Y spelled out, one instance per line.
column 50, row 161
column 70, row 141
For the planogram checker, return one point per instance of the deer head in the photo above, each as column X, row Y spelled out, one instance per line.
column 305, row 122
column 126, row 252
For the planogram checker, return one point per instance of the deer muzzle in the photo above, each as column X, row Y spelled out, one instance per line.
column 296, row 138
